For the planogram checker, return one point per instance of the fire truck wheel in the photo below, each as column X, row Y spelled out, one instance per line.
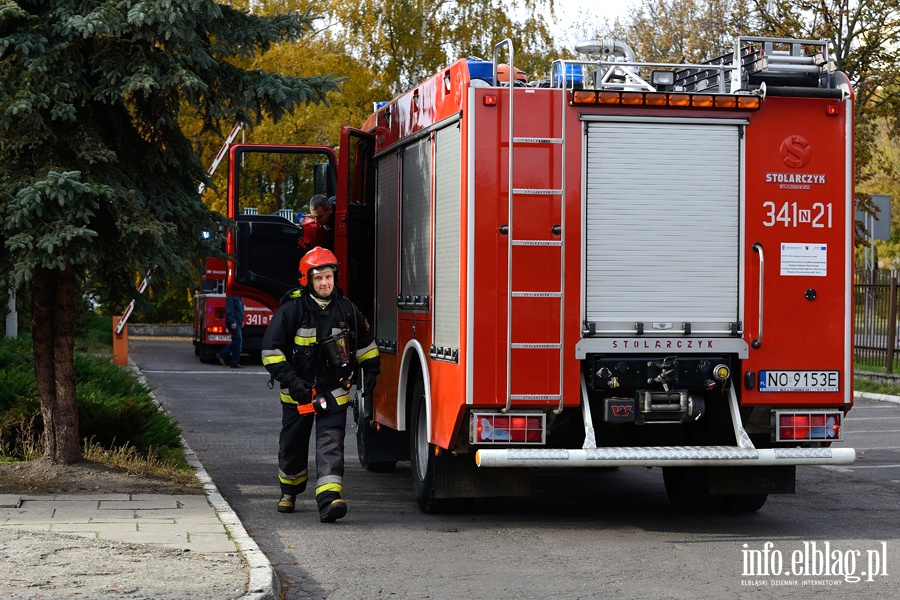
column 688, row 489
column 365, row 438
column 206, row 354
column 426, row 467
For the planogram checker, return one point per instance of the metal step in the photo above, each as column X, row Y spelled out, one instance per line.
column 537, row 294
column 537, row 140
column 536, row 192
column 536, row 346
column 537, row 243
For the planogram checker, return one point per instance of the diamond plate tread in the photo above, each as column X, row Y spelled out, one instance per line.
column 803, row 453
column 671, row 453
column 537, row 454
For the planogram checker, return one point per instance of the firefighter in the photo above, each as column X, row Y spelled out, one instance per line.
column 312, row 347
column 321, row 208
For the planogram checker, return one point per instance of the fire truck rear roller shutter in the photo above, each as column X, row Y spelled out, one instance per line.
column 663, row 210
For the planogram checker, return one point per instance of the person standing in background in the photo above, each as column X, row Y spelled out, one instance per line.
column 234, row 321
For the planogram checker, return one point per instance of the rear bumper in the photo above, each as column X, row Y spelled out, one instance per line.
column 742, row 454
column 674, row 456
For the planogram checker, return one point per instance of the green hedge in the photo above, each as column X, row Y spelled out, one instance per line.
column 114, row 408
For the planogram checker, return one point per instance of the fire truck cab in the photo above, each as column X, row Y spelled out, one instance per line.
column 625, row 264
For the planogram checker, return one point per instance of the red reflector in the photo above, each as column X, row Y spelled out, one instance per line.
column 489, row 100
column 831, row 110
column 794, row 427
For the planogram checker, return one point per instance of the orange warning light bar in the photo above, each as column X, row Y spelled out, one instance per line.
column 664, row 99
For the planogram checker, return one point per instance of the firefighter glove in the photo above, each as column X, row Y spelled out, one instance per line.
column 299, row 390
column 324, row 403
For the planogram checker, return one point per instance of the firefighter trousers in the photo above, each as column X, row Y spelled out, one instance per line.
column 293, row 452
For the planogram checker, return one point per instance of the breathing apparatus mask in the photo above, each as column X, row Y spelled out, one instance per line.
column 337, row 355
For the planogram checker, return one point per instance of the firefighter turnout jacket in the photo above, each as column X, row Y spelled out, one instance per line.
column 291, row 345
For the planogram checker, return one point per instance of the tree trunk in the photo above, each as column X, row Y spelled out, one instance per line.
column 53, row 332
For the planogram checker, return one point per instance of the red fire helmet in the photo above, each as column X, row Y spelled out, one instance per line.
column 316, row 258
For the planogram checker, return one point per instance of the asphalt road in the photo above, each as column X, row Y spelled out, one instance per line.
column 582, row 534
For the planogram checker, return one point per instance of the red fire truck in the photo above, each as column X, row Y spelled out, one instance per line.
column 626, row 264
column 210, row 332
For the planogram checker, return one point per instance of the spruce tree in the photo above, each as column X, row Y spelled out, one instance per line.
column 97, row 180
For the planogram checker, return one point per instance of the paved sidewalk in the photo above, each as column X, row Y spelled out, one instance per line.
column 143, row 546
column 136, row 545
column 187, row 523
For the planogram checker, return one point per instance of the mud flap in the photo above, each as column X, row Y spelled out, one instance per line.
column 751, row 480
column 386, row 445
column 459, row 477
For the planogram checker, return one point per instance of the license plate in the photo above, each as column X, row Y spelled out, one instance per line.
column 218, row 338
column 799, row 381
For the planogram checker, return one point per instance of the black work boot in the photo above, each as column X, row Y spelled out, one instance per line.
column 286, row 504
column 334, row 511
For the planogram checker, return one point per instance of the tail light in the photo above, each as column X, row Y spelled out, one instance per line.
column 215, row 329
column 513, row 428
column 809, row 426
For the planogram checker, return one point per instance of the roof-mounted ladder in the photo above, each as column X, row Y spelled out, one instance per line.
column 760, row 56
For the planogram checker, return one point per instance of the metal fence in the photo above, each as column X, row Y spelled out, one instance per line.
column 875, row 299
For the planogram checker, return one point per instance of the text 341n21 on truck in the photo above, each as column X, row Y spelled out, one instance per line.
column 625, row 264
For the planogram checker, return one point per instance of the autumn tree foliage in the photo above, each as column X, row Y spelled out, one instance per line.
column 406, row 41
column 865, row 38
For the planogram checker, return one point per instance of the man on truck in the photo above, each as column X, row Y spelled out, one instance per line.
column 311, row 347
column 321, row 208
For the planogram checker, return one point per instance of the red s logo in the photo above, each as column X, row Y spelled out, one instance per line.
column 795, row 151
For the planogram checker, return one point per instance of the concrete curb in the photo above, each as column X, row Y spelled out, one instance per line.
column 882, row 397
column 263, row 584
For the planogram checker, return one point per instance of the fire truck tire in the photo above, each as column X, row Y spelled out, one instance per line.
column 688, row 490
column 425, row 466
column 206, row 354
